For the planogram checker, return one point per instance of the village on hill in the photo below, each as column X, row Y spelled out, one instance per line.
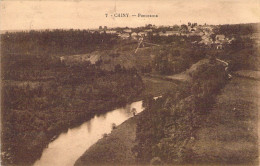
column 207, row 33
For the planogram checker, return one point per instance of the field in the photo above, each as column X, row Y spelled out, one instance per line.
column 157, row 86
column 230, row 132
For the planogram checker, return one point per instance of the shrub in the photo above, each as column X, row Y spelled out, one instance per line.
column 114, row 126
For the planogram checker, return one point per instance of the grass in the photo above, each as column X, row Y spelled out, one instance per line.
column 248, row 74
column 115, row 149
column 230, row 133
column 157, row 86
column 185, row 76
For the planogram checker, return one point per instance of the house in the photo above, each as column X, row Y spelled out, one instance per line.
column 220, row 37
column 185, row 34
column 127, row 30
column 143, row 33
column 135, row 35
column 125, row 35
column 92, row 31
column 148, row 30
column 171, row 33
column 162, row 34
column 206, row 40
column 192, row 29
column 110, row 32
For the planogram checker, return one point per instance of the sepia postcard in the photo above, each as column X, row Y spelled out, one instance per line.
column 130, row 82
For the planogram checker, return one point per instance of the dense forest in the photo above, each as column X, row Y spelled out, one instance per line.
column 43, row 96
column 55, row 42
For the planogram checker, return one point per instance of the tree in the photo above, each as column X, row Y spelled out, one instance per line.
column 184, row 27
column 148, row 100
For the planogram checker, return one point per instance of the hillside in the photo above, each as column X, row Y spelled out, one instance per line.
column 55, row 80
column 115, row 149
column 230, row 132
column 186, row 75
column 123, row 142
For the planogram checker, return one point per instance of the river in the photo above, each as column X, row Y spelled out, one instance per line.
column 69, row 146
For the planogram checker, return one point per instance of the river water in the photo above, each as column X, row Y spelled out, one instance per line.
column 69, row 146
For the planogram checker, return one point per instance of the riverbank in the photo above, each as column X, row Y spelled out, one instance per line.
column 114, row 148
column 36, row 113
column 69, row 146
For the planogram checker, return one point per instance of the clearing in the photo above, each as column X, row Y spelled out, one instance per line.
column 185, row 76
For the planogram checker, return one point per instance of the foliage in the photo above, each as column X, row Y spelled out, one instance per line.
column 43, row 96
column 168, row 124
column 238, row 29
column 171, row 61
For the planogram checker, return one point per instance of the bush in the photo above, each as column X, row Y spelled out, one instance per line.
column 105, row 135
column 114, row 126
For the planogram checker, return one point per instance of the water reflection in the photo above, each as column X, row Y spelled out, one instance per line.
column 68, row 147
column 89, row 125
column 103, row 116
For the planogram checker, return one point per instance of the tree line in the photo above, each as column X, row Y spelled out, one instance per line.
column 57, row 42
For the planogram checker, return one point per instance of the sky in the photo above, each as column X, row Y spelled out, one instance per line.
column 89, row 14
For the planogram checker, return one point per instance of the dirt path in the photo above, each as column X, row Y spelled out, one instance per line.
column 230, row 133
